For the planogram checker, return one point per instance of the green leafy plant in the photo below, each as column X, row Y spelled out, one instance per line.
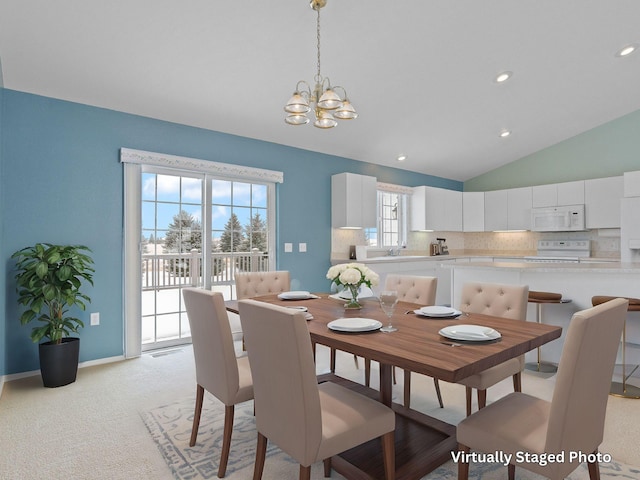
column 48, row 283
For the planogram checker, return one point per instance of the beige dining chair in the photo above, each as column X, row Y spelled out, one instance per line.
column 307, row 420
column 254, row 284
column 412, row 289
column 218, row 371
column 506, row 301
column 572, row 423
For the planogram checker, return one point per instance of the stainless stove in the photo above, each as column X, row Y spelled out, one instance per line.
column 561, row 251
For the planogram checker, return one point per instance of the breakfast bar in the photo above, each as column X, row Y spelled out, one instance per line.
column 577, row 281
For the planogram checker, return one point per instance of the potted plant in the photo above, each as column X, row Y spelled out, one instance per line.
column 49, row 279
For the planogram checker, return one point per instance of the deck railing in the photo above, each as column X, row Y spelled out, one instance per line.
column 173, row 270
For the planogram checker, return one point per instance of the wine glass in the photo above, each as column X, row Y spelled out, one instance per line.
column 388, row 300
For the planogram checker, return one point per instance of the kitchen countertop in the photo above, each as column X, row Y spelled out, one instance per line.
column 605, row 267
column 491, row 258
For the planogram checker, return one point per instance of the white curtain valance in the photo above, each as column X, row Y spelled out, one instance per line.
column 390, row 187
column 141, row 157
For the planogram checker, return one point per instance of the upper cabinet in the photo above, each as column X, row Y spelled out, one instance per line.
column 558, row 194
column 495, row 210
column 436, row 209
column 507, row 209
column 473, row 211
column 519, row 208
column 602, row 201
column 353, row 201
column 632, row 184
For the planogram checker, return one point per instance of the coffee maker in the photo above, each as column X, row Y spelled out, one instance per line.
column 439, row 248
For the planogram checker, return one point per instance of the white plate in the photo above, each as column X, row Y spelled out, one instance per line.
column 438, row 311
column 455, row 314
column 301, row 308
column 473, row 333
column 295, row 295
column 354, row 324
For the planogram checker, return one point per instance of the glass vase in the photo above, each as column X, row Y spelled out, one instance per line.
column 353, row 302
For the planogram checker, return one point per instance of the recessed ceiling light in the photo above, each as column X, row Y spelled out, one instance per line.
column 505, row 133
column 401, row 158
column 627, row 50
column 503, row 76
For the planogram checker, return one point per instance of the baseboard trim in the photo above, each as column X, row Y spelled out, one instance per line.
column 88, row 363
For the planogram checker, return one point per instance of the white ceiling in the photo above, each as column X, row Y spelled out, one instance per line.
column 419, row 72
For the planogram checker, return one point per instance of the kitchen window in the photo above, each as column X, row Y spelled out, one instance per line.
column 391, row 230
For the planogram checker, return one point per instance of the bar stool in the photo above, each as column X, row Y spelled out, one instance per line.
column 539, row 299
column 621, row 389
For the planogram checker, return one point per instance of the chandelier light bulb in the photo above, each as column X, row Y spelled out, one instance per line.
column 296, row 119
column 325, row 120
column 297, row 104
column 346, row 111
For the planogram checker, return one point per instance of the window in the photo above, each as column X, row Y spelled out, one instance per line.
column 391, row 230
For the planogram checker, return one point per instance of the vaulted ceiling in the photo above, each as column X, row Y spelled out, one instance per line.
column 421, row 73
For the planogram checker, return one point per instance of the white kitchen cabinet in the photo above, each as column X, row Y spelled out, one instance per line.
column 602, row 201
column 571, row 193
column 473, row 211
column 519, row 208
column 508, row 209
column 353, row 201
column 632, row 184
column 495, row 210
column 557, row 194
column 437, row 209
column 544, row 195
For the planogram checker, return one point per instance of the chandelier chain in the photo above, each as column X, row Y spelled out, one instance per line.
column 318, row 77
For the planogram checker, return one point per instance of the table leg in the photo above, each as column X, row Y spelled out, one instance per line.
column 386, row 377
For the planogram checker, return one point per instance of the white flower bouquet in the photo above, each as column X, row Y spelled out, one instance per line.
column 351, row 276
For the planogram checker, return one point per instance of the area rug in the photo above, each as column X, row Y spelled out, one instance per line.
column 170, row 428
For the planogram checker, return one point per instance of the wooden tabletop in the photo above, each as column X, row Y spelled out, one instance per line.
column 417, row 345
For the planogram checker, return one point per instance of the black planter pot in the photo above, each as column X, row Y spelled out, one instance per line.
column 59, row 363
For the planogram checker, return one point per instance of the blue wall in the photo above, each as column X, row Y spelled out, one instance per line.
column 62, row 183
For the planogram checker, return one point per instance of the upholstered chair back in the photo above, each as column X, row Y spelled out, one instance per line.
column 285, row 386
column 413, row 288
column 507, row 301
column 216, row 364
column 253, row 284
column 578, row 407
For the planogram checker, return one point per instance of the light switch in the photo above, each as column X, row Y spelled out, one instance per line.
column 288, row 247
column 302, row 247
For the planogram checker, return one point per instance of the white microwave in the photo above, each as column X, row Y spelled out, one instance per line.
column 567, row 218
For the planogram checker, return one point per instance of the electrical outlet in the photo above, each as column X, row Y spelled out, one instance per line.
column 95, row 318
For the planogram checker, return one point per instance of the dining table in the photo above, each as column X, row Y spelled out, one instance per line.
column 423, row 442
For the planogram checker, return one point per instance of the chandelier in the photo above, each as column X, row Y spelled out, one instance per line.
column 323, row 99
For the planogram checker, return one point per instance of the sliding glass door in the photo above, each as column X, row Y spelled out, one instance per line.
column 177, row 209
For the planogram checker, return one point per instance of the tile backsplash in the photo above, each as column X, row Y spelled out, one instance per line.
column 604, row 243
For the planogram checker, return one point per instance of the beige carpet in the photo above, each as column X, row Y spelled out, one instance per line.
column 93, row 428
column 170, row 427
